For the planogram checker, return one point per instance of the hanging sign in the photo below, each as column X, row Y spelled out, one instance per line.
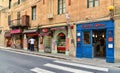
column 45, row 30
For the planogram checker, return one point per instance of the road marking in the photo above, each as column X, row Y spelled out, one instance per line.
column 85, row 66
column 39, row 70
column 66, row 68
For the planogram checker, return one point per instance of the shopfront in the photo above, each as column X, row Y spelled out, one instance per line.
column 96, row 39
column 31, row 33
column 8, row 42
column 16, row 38
column 45, row 37
column 59, row 39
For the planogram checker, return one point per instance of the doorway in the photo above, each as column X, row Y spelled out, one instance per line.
column 61, row 45
column 99, row 44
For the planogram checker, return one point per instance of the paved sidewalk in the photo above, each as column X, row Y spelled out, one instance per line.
column 94, row 61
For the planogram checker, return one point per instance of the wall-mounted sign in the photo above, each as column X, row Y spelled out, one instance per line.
column 15, row 31
column 45, row 30
column 92, row 25
column 110, row 39
column 78, row 39
column 78, row 34
column 110, row 45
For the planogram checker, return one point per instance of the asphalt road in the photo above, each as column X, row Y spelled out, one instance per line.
column 13, row 62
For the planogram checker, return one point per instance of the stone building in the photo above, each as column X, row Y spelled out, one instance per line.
column 70, row 27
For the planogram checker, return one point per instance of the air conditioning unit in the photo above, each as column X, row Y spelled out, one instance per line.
column 50, row 16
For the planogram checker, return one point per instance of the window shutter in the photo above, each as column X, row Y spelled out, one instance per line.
column 87, row 3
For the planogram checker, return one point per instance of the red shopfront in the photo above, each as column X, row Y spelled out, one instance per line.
column 60, row 34
column 45, row 37
column 31, row 33
column 16, row 35
column 7, row 36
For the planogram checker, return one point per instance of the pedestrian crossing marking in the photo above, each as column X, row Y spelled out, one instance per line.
column 39, row 70
column 84, row 66
column 66, row 68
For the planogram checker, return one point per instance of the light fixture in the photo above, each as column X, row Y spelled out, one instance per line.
column 103, row 35
column 93, row 35
column 111, row 8
column 96, row 36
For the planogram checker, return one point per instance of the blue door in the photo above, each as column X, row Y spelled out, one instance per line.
column 87, row 44
column 84, row 44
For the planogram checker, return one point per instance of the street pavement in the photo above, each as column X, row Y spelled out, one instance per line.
column 18, row 62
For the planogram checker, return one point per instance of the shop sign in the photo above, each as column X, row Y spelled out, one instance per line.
column 79, row 34
column 99, row 25
column 30, row 31
column 58, row 28
column 92, row 25
column 110, row 45
column 45, row 30
column 32, row 34
column 110, row 39
column 87, row 26
column 15, row 31
column 78, row 39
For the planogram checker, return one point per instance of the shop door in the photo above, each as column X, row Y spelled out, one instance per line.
column 47, row 44
column 84, row 44
column 87, row 44
column 110, row 46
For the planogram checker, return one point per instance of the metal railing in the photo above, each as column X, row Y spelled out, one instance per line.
column 16, row 22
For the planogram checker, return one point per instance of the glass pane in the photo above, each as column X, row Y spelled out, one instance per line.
column 91, row 4
column 64, row 10
column 96, row 2
column 86, row 37
column 60, row 11
column 33, row 13
column 63, row 1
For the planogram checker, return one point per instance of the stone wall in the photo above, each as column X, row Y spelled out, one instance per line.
column 117, row 40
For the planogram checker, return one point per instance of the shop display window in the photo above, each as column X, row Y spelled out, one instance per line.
column 61, row 44
column 61, row 39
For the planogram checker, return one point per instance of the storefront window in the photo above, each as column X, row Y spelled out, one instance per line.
column 61, row 39
column 86, row 37
column 61, row 43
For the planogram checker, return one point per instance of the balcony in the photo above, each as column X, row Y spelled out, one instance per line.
column 23, row 21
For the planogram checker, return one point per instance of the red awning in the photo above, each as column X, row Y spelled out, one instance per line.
column 15, row 31
column 32, row 34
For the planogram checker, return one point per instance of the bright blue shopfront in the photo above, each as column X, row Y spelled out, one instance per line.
column 95, row 39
